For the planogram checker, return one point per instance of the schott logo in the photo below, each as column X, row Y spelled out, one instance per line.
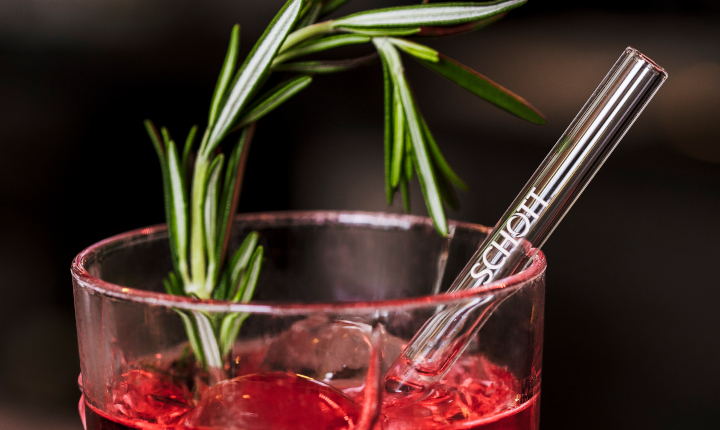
column 516, row 227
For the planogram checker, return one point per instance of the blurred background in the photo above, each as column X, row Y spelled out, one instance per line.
column 632, row 326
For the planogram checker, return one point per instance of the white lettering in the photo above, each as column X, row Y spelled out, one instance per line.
column 487, row 274
column 537, row 199
column 490, row 265
column 524, row 221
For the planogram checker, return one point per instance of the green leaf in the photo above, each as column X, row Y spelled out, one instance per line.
column 167, row 196
column 319, row 45
column 210, row 217
column 193, row 336
column 221, row 291
column 245, row 292
column 274, row 98
column 485, row 88
column 226, row 73
column 388, row 117
column 423, row 165
column 415, row 49
column 458, row 29
column 208, row 342
column 326, row 66
column 241, row 259
column 446, row 190
column 398, row 139
column 408, row 156
column 306, row 33
column 231, row 323
column 229, row 330
column 379, row 32
column 179, row 209
column 172, row 285
column 426, row 14
column 438, row 157
column 186, row 150
column 310, row 14
column 253, row 71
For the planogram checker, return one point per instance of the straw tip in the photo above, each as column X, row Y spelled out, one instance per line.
column 658, row 69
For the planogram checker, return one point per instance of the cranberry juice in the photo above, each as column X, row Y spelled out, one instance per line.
column 475, row 395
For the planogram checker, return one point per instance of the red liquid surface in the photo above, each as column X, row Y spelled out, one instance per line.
column 476, row 395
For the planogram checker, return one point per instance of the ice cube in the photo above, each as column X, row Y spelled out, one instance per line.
column 329, row 350
column 149, row 396
column 274, row 401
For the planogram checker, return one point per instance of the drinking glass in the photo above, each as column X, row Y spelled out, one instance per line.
column 338, row 297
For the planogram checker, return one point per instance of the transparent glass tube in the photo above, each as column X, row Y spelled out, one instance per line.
column 532, row 217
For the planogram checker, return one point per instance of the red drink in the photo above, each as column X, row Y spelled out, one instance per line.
column 476, row 395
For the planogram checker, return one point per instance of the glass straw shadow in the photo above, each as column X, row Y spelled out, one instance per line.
column 532, row 217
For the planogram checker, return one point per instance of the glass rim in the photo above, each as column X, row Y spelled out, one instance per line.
column 379, row 220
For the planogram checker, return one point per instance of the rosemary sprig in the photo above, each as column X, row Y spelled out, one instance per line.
column 200, row 199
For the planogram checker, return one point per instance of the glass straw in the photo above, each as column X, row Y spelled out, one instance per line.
column 532, row 217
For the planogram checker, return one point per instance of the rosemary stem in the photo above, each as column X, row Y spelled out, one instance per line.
column 238, row 187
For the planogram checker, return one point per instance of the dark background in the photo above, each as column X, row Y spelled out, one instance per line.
column 632, row 324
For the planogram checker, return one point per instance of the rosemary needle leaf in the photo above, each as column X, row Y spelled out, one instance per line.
column 398, row 139
column 212, row 194
column 245, row 291
column 170, row 287
column 326, row 66
column 165, row 135
column 226, row 73
column 447, row 191
column 253, row 71
column 179, row 209
column 306, row 33
column 274, row 98
column 408, row 157
column 484, row 88
column 241, row 259
column 423, row 165
column 427, row 14
column 415, row 49
column 458, row 29
column 309, row 15
column 208, row 341
column 229, row 330
column 174, row 284
column 230, row 326
column 186, row 150
column 221, row 291
column 379, row 32
column 167, row 197
column 155, row 139
column 319, row 45
column 438, row 157
column 193, row 336
column 388, row 135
